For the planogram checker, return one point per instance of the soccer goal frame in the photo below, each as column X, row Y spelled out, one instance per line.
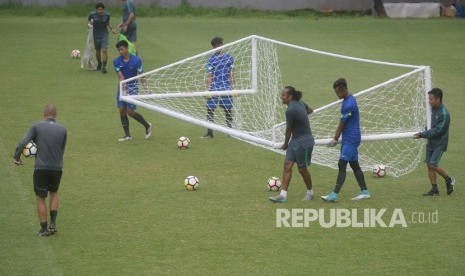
column 178, row 90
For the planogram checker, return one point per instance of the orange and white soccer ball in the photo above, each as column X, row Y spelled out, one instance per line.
column 379, row 170
column 183, row 142
column 30, row 149
column 76, row 54
column 273, row 184
column 191, row 183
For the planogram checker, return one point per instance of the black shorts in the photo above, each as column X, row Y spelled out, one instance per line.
column 46, row 181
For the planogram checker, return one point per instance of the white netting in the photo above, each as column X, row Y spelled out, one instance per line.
column 390, row 111
column 88, row 59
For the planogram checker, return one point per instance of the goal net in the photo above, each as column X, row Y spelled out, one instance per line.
column 391, row 98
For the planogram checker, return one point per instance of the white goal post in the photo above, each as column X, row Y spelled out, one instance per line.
column 393, row 106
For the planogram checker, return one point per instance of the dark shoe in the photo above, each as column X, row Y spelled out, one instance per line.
column 99, row 67
column 52, row 229
column 104, row 70
column 432, row 193
column 43, row 233
column 450, row 185
column 450, row 189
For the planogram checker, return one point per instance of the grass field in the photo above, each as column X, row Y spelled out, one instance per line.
column 123, row 208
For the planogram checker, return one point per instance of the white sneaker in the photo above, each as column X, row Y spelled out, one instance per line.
column 148, row 133
column 363, row 195
column 331, row 197
column 125, row 138
column 308, row 197
column 278, row 199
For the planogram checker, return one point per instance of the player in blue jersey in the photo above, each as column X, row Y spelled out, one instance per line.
column 298, row 149
column 99, row 21
column 438, row 139
column 128, row 66
column 220, row 77
column 129, row 26
column 349, row 127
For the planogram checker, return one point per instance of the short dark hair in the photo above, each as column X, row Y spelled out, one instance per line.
column 437, row 93
column 341, row 83
column 217, row 41
column 122, row 43
column 296, row 95
column 99, row 5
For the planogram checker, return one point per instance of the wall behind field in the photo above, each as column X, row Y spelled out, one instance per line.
column 320, row 5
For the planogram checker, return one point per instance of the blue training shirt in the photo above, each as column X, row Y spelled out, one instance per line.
column 350, row 116
column 129, row 69
column 220, row 66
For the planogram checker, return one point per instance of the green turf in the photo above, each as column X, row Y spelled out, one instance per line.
column 123, row 208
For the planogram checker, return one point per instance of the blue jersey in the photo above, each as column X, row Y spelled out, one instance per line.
column 350, row 116
column 129, row 69
column 220, row 66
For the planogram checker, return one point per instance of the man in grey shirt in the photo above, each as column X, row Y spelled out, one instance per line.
column 298, row 149
column 99, row 21
column 50, row 138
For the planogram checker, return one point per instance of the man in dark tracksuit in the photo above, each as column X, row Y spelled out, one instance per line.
column 50, row 138
column 438, row 138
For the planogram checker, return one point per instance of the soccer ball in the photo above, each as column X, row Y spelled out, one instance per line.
column 191, row 183
column 379, row 170
column 183, row 142
column 75, row 53
column 30, row 149
column 273, row 184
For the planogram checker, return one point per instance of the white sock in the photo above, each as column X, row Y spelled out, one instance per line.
column 283, row 193
column 310, row 192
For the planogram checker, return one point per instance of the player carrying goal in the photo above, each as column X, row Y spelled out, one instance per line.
column 220, row 77
column 349, row 127
column 298, row 149
column 438, row 139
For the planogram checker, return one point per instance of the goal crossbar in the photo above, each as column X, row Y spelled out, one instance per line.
column 337, row 55
column 372, row 137
column 187, row 59
column 232, row 93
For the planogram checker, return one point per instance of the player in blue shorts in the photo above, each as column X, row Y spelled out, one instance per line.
column 220, row 77
column 438, row 138
column 349, row 127
column 128, row 66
